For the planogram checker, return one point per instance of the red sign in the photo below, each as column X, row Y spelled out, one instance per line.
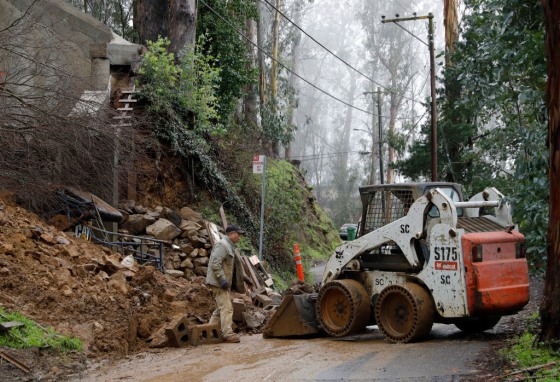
column 446, row 265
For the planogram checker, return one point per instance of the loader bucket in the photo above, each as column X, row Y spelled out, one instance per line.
column 294, row 317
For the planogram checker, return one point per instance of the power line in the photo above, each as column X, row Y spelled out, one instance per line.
column 410, row 33
column 326, row 155
column 334, row 54
column 284, row 66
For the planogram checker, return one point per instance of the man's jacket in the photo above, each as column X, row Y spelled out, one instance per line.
column 225, row 264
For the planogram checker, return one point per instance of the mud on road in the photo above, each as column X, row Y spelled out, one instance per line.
column 447, row 355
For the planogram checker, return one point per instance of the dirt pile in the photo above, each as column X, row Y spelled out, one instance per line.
column 83, row 289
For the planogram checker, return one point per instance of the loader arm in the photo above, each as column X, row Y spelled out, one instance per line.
column 401, row 231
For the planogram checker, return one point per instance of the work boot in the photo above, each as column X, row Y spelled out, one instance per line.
column 232, row 339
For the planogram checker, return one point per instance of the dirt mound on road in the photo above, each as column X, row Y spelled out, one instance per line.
column 82, row 289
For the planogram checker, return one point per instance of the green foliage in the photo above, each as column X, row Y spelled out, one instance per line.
column 525, row 351
column 491, row 115
column 187, row 87
column 31, row 335
column 275, row 126
column 229, row 47
column 292, row 216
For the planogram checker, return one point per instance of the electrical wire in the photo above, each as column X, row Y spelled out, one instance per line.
column 334, row 54
column 410, row 33
column 284, row 66
column 304, row 158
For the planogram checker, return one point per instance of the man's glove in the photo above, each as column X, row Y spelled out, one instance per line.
column 224, row 284
column 247, row 280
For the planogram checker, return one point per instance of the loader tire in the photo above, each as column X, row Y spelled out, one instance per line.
column 477, row 324
column 404, row 313
column 343, row 308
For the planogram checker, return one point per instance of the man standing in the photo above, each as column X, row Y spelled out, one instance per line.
column 225, row 274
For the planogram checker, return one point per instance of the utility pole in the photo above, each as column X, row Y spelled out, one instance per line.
column 380, row 127
column 430, row 45
column 379, row 149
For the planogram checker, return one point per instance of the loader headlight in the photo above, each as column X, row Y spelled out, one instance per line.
column 519, row 250
column 476, row 253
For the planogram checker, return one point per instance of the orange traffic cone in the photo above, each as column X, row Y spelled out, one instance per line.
column 299, row 266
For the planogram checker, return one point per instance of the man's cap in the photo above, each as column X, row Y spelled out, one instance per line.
column 234, row 228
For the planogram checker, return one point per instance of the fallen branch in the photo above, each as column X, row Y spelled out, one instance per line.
column 14, row 362
column 525, row 370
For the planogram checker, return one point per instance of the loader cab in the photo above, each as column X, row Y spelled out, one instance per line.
column 382, row 204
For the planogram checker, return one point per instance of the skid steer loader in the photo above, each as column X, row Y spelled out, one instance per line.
column 423, row 255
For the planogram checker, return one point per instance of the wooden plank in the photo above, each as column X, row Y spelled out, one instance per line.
column 128, row 100
column 250, row 271
column 223, row 216
column 123, row 117
column 125, row 108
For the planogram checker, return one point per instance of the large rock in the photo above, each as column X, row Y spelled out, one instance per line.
column 136, row 224
column 201, row 271
column 187, row 225
column 187, row 263
column 189, row 214
column 163, row 229
column 201, row 262
column 174, row 273
column 253, row 319
column 171, row 215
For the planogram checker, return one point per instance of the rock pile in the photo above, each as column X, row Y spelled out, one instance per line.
column 187, row 241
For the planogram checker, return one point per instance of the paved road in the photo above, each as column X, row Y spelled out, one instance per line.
column 446, row 356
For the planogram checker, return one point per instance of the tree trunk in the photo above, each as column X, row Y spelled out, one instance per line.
column 151, row 19
column 260, row 55
column 250, row 96
column 450, row 21
column 182, row 24
column 293, row 80
column 274, row 71
column 550, row 307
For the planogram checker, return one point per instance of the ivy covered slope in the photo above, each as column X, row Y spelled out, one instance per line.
column 293, row 216
column 209, row 163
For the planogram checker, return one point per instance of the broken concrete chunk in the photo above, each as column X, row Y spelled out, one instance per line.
column 254, row 319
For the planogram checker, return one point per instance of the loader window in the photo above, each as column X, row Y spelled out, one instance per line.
column 452, row 194
column 385, row 207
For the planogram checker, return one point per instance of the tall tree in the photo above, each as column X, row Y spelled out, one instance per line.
column 175, row 19
column 550, row 308
column 151, row 20
column 182, row 24
column 451, row 32
column 274, row 71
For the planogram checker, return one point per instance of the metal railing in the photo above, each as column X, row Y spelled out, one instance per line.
column 137, row 246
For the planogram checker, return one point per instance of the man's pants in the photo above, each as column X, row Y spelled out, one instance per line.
column 223, row 313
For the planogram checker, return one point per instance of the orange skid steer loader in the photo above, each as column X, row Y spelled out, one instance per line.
column 423, row 255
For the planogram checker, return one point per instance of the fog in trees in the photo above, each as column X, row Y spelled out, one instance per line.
column 337, row 140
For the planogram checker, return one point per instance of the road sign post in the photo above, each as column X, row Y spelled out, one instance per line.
column 259, row 167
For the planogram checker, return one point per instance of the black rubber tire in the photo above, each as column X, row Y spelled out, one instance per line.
column 404, row 313
column 343, row 308
column 477, row 324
